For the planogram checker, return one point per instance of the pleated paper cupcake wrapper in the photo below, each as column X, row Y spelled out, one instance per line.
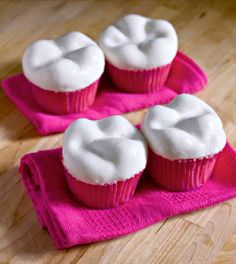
column 138, row 81
column 180, row 175
column 103, row 196
column 65, row 102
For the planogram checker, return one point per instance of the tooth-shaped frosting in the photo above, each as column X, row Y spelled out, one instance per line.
column 70, row 62
column 186, row 128
column 103, row 151
column 137, row 42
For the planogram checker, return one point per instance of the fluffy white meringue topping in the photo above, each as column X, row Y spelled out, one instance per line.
column 186, row 128
column 70, row 62
column 136, row 42
column 103, row 151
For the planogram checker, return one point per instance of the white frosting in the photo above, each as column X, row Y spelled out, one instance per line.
column 68, row 63
column 186, row 128
column 104, row 151
column 136, row 42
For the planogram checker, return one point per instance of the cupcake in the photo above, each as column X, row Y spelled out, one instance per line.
column 64, row 73
column 103, row 160
column 185, row 138
column 139, row 52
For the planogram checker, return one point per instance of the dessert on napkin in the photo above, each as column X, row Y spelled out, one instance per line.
column 63, row 202
column 61, row 77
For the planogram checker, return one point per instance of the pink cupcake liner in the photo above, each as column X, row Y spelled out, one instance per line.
column 65, row 102
column 180, row 175
column 138, row 81
column 103, row 196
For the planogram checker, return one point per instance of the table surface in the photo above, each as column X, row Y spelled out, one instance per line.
column 207, row 33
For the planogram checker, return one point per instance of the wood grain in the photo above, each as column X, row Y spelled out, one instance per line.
column 207, row 32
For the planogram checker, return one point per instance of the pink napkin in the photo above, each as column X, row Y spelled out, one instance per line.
column 70, row 223
column 185, row 77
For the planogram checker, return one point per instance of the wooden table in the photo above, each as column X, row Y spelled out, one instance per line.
column 207, row 32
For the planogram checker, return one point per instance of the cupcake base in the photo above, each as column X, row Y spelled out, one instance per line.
column 138, row 81
column 61, row 103
column 180, row 175
column 103, row 196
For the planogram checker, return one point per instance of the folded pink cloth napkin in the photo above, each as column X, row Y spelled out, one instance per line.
column 69, row 223
column 185, row 77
